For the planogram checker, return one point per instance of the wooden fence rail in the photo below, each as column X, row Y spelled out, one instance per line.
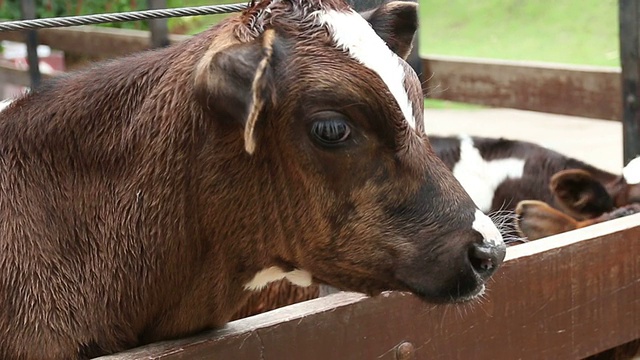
column 564, row 297
column 93, row 41
column 587, row 91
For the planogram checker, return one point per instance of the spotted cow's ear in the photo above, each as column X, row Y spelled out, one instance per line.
column 579, row 194
column 237, row 83
column 396, row 22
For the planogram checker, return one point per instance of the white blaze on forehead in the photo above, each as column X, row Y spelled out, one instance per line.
column 274, row 273
column 487, row 229
column 631, row 172
column 354, row 34
column 481, row 178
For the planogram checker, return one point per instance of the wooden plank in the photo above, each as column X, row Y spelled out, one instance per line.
column 630, row 61
column 564, row 297
column 587, row 91
column 93, row 41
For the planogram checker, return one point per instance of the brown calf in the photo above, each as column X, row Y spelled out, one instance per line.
column 147, row 197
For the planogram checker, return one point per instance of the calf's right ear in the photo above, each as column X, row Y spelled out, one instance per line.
column 236, row 83
column 396, row 22
column 578, row 193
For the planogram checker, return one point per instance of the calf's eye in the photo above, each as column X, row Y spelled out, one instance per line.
column 330, row 129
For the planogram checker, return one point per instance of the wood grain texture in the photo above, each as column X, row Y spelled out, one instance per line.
column 568, row 296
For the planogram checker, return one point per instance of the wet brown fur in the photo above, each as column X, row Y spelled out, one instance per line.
column 131, row 212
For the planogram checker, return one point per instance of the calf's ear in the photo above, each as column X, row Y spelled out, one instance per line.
column 579, row 194
column 236, row 82
column 536, row 219
column 396, row 23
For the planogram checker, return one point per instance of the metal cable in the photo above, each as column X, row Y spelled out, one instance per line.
column 119, row 17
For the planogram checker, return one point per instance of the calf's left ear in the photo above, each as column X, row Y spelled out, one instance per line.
column 396, row 22
column 580, row 194
column 236, row 83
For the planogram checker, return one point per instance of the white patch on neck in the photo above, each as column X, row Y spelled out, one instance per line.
column 354, row 34
column 631, row 172
column 481, row 178
column 487, row 228
column 274, row 273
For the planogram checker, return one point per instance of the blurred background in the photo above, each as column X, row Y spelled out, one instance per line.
column 564, row 31
column 567, row 34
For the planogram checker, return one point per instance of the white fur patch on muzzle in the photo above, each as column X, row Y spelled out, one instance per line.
column 490, row 233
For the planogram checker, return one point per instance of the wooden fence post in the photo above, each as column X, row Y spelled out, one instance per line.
column 158, row 27
column 629, row 16
column 28, row 8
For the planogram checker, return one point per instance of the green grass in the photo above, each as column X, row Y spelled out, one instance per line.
column 444, row 104
column 565, row 31
column 195, row 24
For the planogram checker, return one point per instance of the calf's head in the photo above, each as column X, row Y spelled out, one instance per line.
column 323, row 96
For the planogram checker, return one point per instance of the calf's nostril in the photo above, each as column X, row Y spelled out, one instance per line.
column 486, row 258
column 485, row 264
